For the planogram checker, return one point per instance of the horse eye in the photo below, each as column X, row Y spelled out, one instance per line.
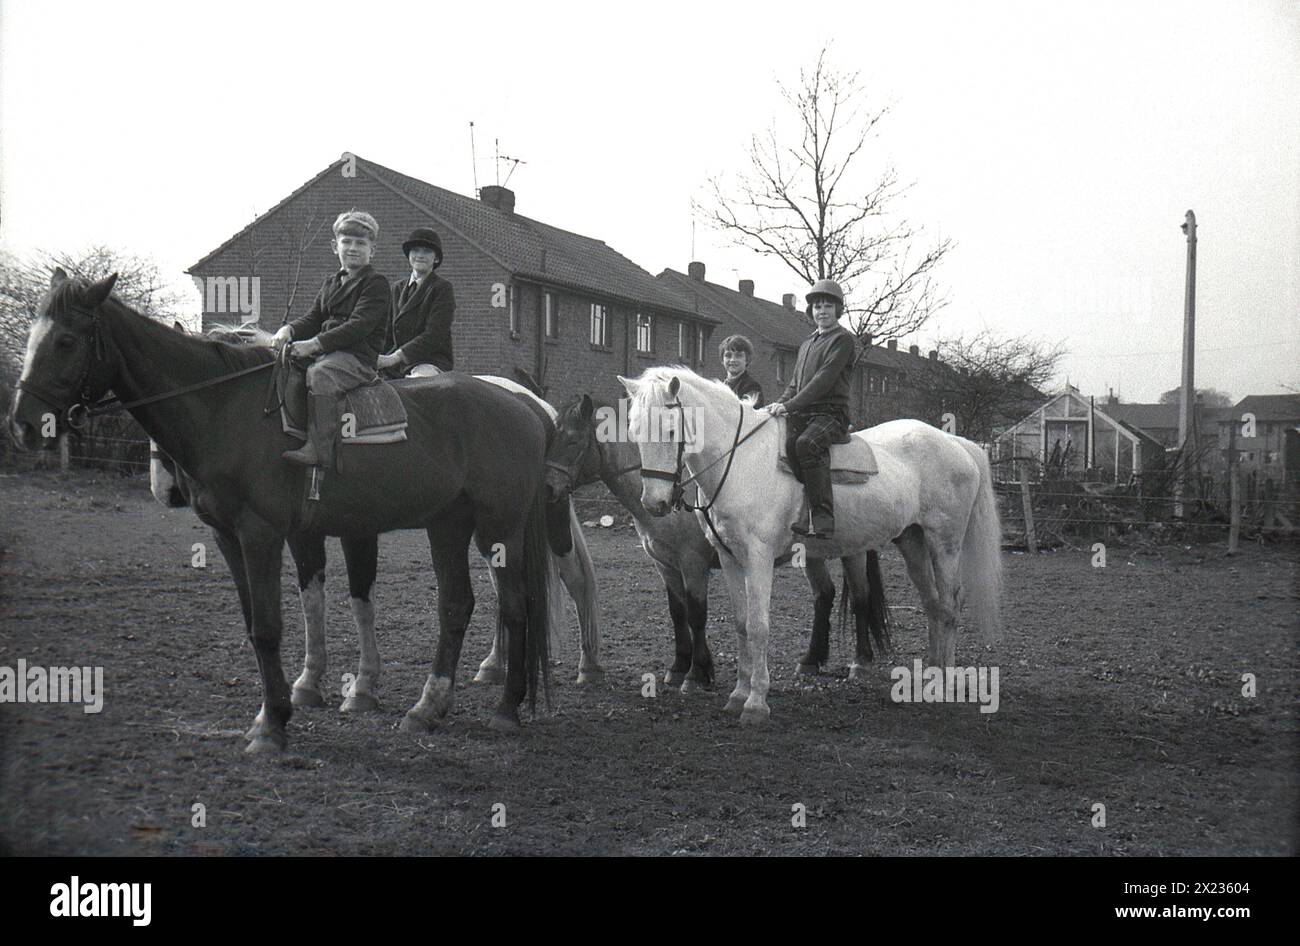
column 66, row 343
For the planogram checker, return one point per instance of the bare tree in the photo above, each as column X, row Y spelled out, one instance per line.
column 24, row 283
column 987, row 381
column 810, row 200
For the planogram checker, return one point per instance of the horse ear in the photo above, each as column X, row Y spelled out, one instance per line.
column 629, row 385
column 58, row 277
column 674, row 386
column 99, row 290
column 179, row 326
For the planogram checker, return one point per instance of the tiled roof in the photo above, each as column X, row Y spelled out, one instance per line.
column 534, row 249
column 1157, row 416
column 769, row 320
column 1270, row 407
column 525, row 247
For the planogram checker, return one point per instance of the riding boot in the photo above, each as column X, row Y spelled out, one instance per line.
column 322, row 427
column 817, row 486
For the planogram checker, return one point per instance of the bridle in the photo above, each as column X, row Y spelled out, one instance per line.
column 678, row 498
column 81, row 410
column 571, row 471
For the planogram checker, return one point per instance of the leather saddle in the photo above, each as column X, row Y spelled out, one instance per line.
column 852, row 460
column 377, row 414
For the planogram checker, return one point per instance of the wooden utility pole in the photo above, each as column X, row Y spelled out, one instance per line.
column 1187, row 393
column 1031, row 540
column 1234, row 491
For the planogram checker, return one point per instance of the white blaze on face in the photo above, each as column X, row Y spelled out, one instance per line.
column 40, row 331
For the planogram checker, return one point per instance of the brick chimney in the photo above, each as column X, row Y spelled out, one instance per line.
column 1111, row 399
column 915, row 350
column 787, row 300
column 696, row 271
column 747, row 287
column 502, row 198
column 893, row 344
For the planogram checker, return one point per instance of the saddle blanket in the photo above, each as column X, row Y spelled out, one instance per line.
column 851, row 462
column 377, row 416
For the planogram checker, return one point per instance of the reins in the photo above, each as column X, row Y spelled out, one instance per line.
column 678, row 500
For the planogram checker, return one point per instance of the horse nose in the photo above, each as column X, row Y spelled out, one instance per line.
column 657, row 508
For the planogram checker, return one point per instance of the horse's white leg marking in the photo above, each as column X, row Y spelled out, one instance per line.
column 307, row 686
column 735, row 578
column 758, row 593
column 492, row 669
column 434, row 703
column 576, row 582
column 362, row 695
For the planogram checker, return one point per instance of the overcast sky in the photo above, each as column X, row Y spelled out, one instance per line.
column 1059, row 145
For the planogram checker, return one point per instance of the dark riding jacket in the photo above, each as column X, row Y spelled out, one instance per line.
column 822, row 375
column 744, row 385
column 421, row 323
column 351, row 316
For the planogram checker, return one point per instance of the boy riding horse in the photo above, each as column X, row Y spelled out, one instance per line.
column 342, row 334
column 817, row 404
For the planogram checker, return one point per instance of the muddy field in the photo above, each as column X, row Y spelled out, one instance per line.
column 1118, row 686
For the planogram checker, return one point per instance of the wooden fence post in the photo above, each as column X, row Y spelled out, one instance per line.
column 1030, row 539
column 1234, row 502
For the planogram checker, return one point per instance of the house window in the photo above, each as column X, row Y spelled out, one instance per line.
column 683, row 341
column 599, row 326
column 514, row 312
column 884, row 385
column 699, row 346
column 871, row 384
column 644, row 333
column 550, row 315
column 780, row 367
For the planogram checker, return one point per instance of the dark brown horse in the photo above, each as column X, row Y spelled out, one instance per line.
column 472, row 466
column 679, row 547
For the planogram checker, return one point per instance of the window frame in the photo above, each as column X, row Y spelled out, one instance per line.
column 603, row 342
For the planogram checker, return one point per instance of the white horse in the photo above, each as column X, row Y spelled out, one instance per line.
column 932, row 496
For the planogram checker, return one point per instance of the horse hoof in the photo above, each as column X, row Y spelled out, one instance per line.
column 490, row 675
column 690, row 686
column 591, row 678
column 809, row 670
column 674, row 678
column 360, row 703
column 266, row 744
column 414, row 724
column 304, row 698
column 502, row 723
column 734, row 705
column 857, row 674
column 754, row 715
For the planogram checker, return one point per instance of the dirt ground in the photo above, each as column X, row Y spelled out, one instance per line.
column 1119, row 686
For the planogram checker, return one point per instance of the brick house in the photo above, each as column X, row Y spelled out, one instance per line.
column 887, row 383
column 567, row 308
column 1273, row 454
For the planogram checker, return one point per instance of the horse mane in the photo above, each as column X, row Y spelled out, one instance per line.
column 228, row 356
column 655, row 380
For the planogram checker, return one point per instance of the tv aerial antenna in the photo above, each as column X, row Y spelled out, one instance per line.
column 514, row 163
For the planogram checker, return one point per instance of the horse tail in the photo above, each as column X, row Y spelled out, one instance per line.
column 588, row 607
column 877, row 606
column 981, row 555
column 539, row 574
